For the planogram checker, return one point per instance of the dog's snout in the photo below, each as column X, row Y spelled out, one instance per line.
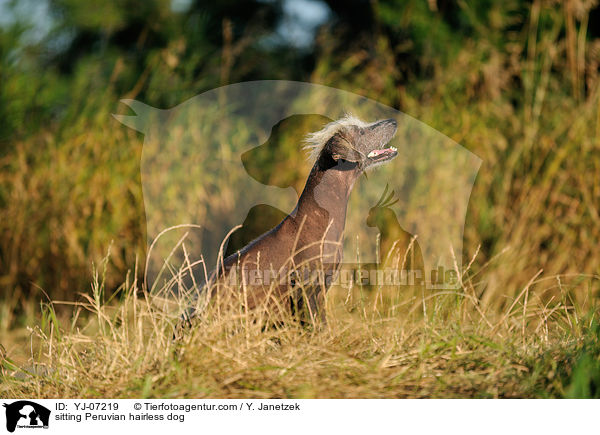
column 385, row 123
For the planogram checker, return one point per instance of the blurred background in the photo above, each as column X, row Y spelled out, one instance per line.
column 515, row 82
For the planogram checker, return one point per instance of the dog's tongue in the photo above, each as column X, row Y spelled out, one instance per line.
column 376, row 153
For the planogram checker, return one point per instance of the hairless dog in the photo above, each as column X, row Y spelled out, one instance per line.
column 308, row 242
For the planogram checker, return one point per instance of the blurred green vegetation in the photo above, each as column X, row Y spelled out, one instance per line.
column 516, row 82
column 585, row 380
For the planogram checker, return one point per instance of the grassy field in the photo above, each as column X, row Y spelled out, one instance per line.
column 515, row 82
column 376, row 345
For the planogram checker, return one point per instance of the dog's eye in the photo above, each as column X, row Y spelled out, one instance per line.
column 362, row 132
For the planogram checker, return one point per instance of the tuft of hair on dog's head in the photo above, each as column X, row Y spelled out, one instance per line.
column 315, row 142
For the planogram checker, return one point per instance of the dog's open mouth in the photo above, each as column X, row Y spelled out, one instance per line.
column 383, row 154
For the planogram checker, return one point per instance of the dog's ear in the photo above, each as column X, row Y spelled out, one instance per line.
column 341, row 149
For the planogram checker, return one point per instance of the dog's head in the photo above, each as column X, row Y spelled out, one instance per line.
column 350, row 140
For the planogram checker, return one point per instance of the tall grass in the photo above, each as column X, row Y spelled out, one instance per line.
column 456, row 347
column 524, row 97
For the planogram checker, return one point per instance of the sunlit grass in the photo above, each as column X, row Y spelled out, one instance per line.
column 523, row 323
column 445, row 344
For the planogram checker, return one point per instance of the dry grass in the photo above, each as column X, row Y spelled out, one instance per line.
column 524, row 323
column 442, row 344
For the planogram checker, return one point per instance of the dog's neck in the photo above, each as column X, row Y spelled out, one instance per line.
column 321, row 208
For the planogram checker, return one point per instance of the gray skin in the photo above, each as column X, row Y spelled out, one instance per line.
column 310, row 237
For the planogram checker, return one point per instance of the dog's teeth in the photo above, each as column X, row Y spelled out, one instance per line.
column 393, row 148
column 372, row 154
